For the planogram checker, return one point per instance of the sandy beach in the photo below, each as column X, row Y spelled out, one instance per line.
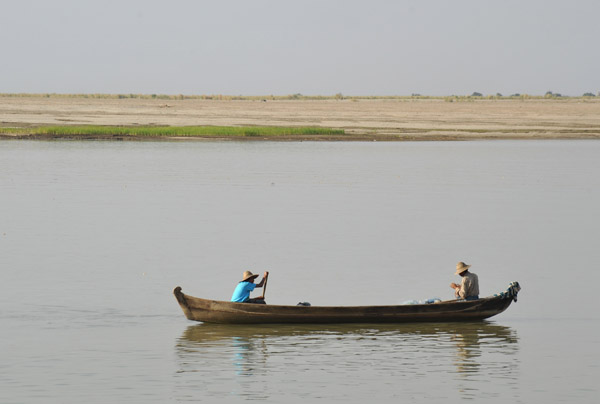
column 362, row 119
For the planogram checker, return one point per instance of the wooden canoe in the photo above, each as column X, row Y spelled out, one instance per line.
column 214, row 311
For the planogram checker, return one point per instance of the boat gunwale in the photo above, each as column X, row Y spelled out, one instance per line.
column 301, row 307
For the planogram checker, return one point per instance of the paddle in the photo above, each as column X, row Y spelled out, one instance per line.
column 265, row 287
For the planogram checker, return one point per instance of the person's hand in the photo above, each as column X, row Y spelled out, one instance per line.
column 453, row 285
column 266, row 274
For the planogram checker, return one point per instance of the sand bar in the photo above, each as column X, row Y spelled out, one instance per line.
column 376, row 119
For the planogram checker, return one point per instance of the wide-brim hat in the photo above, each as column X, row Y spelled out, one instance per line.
column 461, row 267
column 248, row 275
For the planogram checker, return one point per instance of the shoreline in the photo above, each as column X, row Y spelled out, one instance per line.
column 307, row 138
column 403, row 119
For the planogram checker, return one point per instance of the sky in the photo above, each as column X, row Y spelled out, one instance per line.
column 311, row 47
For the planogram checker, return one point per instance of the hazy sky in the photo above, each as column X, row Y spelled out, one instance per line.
column 262, row 47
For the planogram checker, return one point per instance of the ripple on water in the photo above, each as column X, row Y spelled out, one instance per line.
column 360, row 360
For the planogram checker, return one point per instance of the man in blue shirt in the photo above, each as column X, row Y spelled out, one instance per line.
column 241, row 294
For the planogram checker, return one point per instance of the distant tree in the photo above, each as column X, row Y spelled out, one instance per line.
column 339, row 96
column 549, row 94
column 589, row 95
column 476, row 94
column 515, row 95
column 498, row 95
column 415, row 95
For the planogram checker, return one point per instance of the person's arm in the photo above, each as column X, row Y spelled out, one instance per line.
column 456, row 288
column 262, row 281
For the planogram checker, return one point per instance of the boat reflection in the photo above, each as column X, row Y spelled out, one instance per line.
column 495, row 341
column 467, row 346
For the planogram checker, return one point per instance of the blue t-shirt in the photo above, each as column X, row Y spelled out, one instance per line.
column 242, row 292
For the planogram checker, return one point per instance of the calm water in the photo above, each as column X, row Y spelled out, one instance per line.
column 95, row 235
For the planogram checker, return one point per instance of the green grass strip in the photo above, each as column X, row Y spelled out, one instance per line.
column 174, row 131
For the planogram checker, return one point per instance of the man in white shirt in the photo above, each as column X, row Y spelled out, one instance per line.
column 469, row 286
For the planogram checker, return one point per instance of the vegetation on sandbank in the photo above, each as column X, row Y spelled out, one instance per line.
column 170, row 131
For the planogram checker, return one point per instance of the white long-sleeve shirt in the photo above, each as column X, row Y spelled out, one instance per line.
column 469, row 286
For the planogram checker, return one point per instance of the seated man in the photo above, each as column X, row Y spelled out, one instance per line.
column 241, row 294
column 469, row 287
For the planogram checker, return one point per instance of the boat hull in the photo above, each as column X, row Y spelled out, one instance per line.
column 214, row 311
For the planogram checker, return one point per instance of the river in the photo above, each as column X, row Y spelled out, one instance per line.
column 94, row 236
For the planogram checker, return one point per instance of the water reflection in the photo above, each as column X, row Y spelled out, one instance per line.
column 255, row 361
column 471, row 342
column 249, row 355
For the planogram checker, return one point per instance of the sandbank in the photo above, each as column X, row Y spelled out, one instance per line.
column 361, row 119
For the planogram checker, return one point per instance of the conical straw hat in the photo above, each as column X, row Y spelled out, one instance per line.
column 461, row 267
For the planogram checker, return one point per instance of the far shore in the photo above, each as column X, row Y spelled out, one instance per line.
column 354, row 119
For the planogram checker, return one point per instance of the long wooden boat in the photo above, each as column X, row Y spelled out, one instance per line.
column 214, row 311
